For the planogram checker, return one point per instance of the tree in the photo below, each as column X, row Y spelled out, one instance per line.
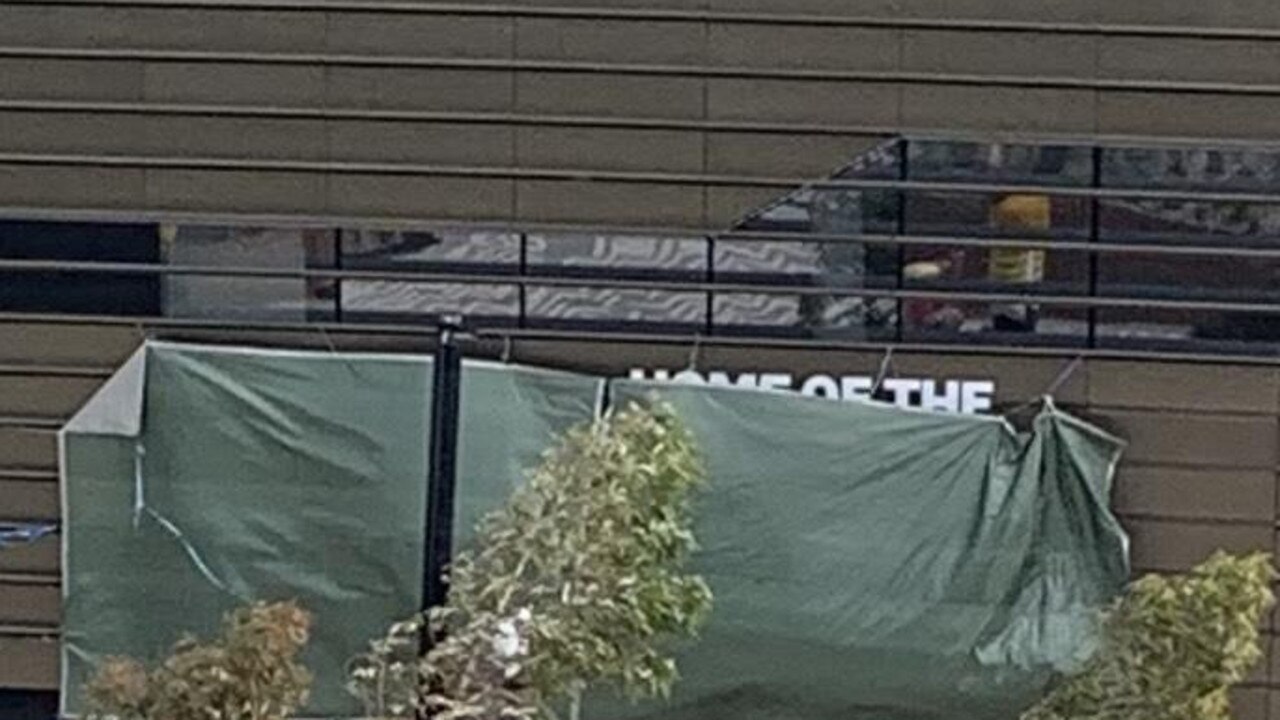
column 574, row 582
column 250, row 673
column 1172, row 647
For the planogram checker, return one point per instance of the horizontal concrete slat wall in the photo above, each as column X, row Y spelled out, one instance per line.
column 552, row 84
column 733, row 88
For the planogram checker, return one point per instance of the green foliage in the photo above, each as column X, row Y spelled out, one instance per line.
column 250, row 673
column 574, row 582
column 1172, row 647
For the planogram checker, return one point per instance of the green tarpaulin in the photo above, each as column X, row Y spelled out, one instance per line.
column 202, row 477
column 867, row 561
column 873, row 562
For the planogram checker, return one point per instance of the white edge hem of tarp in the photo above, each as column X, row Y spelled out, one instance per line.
column 115, row 410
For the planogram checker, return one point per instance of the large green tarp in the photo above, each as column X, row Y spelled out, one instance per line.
column 204, row 477
column 867, row 561
column 873, row 562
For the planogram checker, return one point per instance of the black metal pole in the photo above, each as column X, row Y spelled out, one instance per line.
column 900, row 229
column 1095, row 225
column 442, row 466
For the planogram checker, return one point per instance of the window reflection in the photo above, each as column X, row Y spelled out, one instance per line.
column 429, row 251
column 814, row 316
column 223, row 296
column 596, row 308
column 1186, row 220
column 603, row 254
column 417, row 302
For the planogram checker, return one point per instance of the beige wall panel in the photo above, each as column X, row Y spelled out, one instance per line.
column 161, row 28
column 28, row 449
column 803, row 101
column 421, row 142
column 800, row 46
column 1273, row 645
column 611, row 41
column 86, row 26
column 831, row 8
column 419, row 35
column 609, row 95
column 44, row 397
column 72, row 187
column 1250, row 703
column 255, row 31
column 30, row 605
column 1245, row 495
column 434, row 197
column 679, row 151
column 1202, row 387
column 1183, row 59
column 29, row 663
column 233, row 191
column 783, row 155
column 609, row 203
column 160, row 135
column 235, row 84
column 40, row 557
column 1260, row 673
column 727, row 205
column 84, row 80
column 418, row 89
column 71, row 133
column 225, row 137
column 1180, row 546
column 617, row 4
column 998, row 108
column 28, row 500
column 1196, row 115
column 1194, row 439
column 1008, row 10
column 999, row 53
column 66, row 345
column 1192, row 13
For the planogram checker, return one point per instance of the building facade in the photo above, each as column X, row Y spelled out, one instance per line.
column 1077, row 198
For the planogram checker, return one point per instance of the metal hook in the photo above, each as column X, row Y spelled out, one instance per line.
column 1052, row 388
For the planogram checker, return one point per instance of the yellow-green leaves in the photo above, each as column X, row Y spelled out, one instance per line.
column 250, row 673
column 575, row 582
column 1172, row 647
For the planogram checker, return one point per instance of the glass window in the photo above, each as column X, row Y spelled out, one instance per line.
column 417, row 302
column 1008, row 323
column 1183, row 221
column 1157, row 328
column 430, row 251
column 79, row 293
column 605, row 308
column 609, row 255
column 814, row 316
column 978, row 214
column 227, row 297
